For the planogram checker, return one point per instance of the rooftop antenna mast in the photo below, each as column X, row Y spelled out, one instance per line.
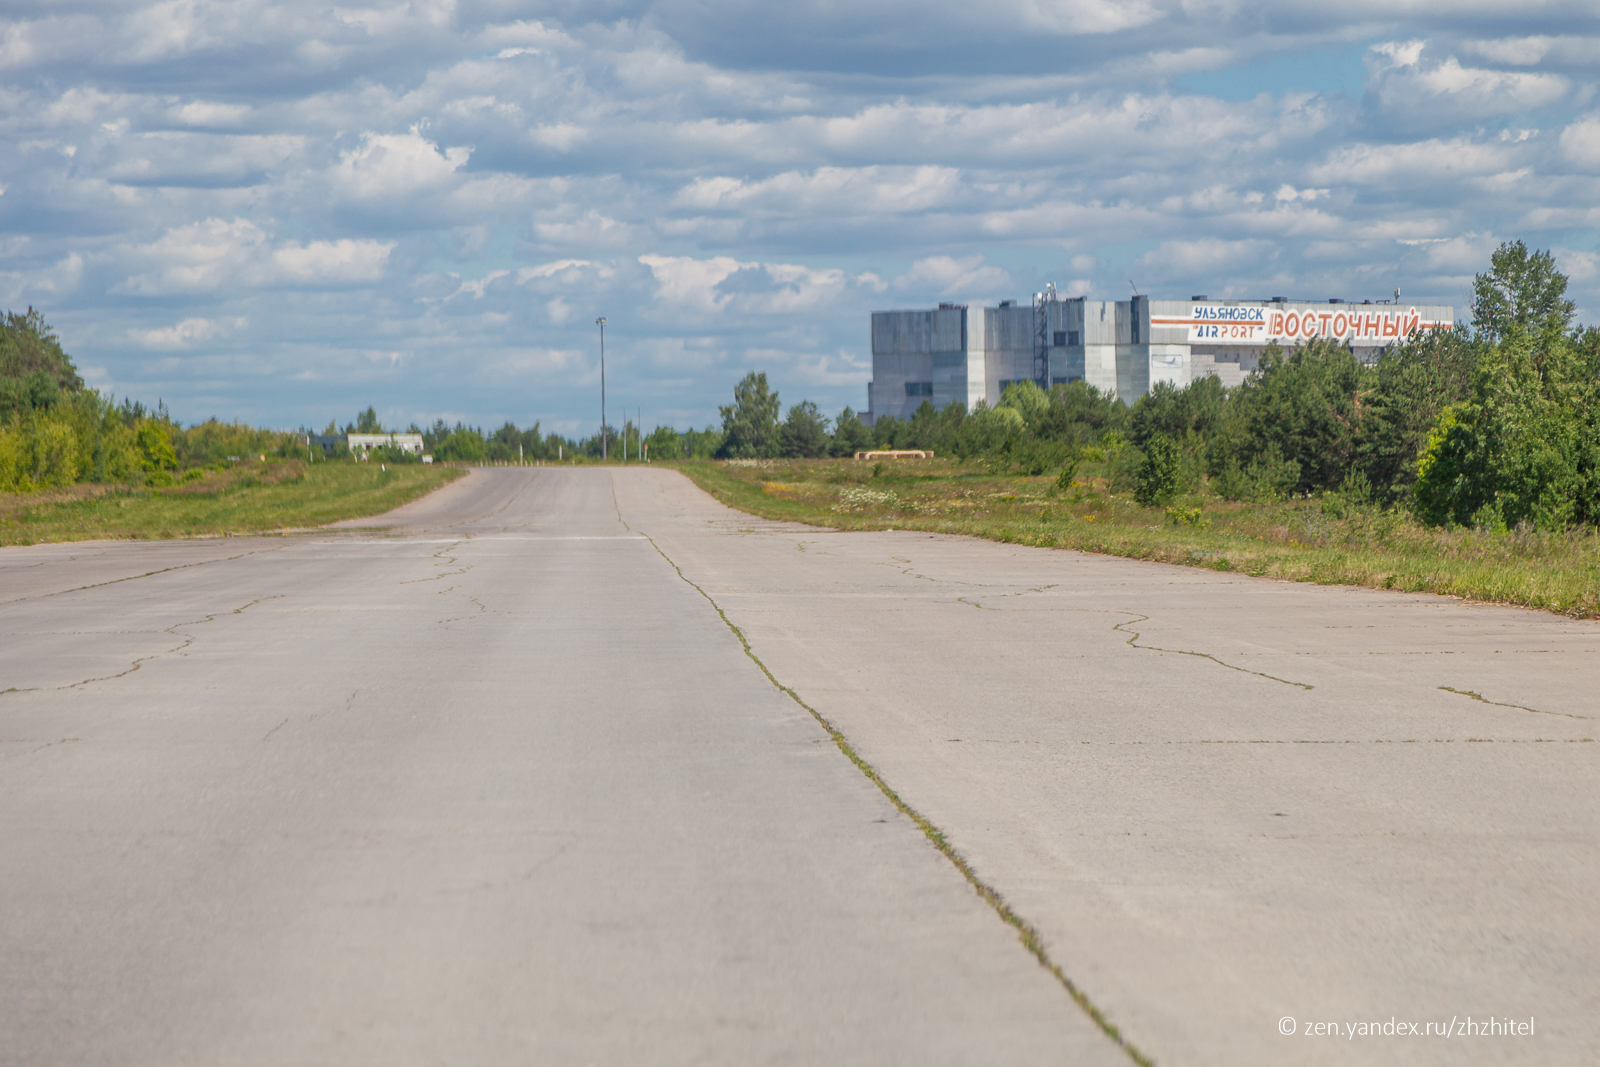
column 1042, row 302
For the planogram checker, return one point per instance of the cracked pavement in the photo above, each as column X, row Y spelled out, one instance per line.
column 486, row 781
column 1219, row 800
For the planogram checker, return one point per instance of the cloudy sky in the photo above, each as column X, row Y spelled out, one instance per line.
column 284, row 211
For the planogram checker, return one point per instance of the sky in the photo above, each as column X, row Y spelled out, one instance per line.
column 283, row 212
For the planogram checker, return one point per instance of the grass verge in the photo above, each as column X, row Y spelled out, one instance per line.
column 248, row 498
column 1331, row 540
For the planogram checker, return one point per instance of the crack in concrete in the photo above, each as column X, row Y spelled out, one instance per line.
column 483, row 609
column 1480, row 698
column 313, row 717
column 1030, row 937
column 136, row 577
column 442, row 563
column 189, row 639
column 1133, row 643
column 34, row 741
column 1000, row 596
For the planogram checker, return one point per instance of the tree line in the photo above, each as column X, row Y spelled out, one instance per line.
column 54, row 431
column 1491, row 425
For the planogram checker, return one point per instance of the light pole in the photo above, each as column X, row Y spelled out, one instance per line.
column 601, row 322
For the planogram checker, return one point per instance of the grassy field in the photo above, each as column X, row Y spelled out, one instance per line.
column 247, row 498
column 1329, row 540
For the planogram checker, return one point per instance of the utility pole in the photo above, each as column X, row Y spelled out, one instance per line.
column 601, row 322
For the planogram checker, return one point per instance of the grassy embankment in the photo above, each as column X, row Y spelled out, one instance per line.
column 1330, row 540
column 247, row 498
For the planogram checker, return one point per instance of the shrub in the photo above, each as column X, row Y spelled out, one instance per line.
column 1159, row 472
column 1069, row 471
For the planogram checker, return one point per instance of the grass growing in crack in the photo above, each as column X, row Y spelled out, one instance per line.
column 248, row 498
column 1329, row 540
column 1025, row 931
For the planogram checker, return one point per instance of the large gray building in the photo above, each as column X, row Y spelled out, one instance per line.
column 956, row 352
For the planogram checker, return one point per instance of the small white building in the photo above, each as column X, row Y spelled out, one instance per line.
column 362, row 443
column 955, row 352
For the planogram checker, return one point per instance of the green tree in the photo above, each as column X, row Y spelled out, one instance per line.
column 805, row 431
column 1028, row 400
column 27, row 344
column 505, row 444
column 750, row 423
column 1522, row 291
column 464, row 444
column 928, row 427
column 1300, row 412
column 1412, row 385
column 367, row 421
column 701, row 444
column 1521, row 450
column 850, row 434
column 34, row 369
column 1159, row 472
column 993, row 431
column 1192, row 413
column 1081, row 414
column 154, row 440
column 664, row 442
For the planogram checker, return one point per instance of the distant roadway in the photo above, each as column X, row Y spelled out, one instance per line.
column 535, row 771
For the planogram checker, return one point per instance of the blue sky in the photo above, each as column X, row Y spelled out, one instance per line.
column 284, row 212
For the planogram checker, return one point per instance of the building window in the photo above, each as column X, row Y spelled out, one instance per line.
column 919, row 389
column 1067, row 380
column 1074, row 338
column 1060, row 339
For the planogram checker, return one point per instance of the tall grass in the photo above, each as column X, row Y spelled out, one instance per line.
column 1330, row 539
column 250, row 497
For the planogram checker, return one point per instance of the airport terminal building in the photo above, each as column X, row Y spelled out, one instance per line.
column 957, row 352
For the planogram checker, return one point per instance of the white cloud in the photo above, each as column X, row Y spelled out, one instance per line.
column 856, row 190
column 1080, row 16
column 338, row 262
column 1415, row 91
column 1517, row 51
column 222, row 253
column 950, row 276
column 1207, row 259
column 591, row 230
column 210, row 113
column 45, row 286
column 387, row 165
column 434, row 189
column 1580, row 142
column 180, row 335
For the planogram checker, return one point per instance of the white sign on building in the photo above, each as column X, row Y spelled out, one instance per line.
column 1258, row 324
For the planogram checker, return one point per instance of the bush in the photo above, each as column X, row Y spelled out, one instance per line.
column 1069, row 471
column 1522, row 449
column 1267, row 476
column 1158, row 473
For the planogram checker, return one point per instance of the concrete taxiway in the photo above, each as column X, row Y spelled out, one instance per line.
column 491, row 780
